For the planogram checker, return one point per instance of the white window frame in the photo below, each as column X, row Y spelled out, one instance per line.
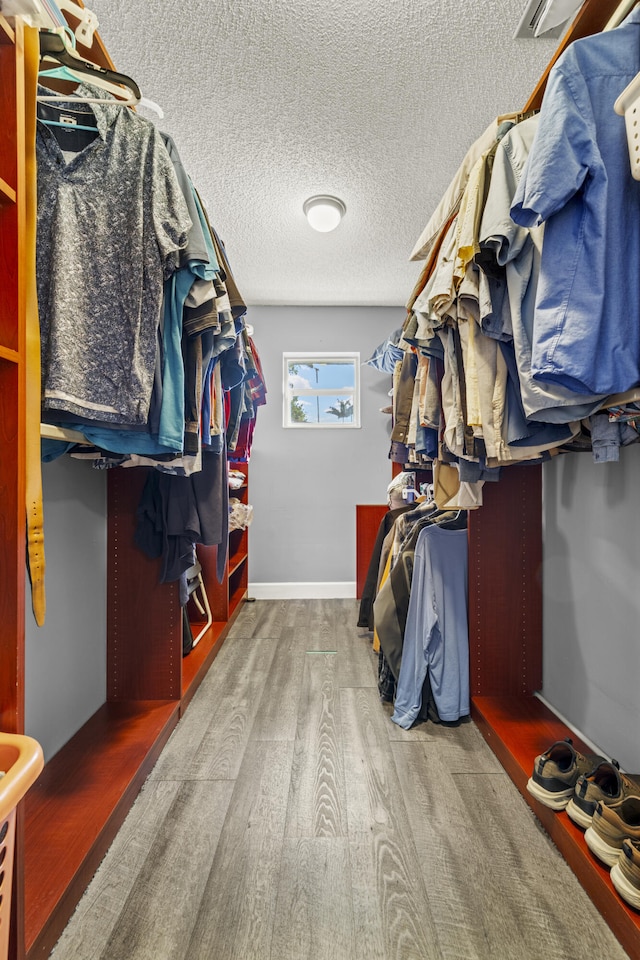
column 308, row 359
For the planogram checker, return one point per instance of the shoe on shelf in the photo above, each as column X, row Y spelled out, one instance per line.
column 556, row 772
column 611, row 827
column 625, row 874
column 605, row 784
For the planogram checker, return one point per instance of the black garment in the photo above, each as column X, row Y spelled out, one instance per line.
column 365, row 616
column 386, row 680
column 176, row 512
column 387, row 691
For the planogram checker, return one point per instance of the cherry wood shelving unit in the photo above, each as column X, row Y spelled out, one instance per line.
column 368, row 517
column 70, row 816
column 12, row 416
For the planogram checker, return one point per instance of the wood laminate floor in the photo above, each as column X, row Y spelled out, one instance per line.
column 288, row 819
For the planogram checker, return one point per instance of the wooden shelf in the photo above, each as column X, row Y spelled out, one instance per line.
column 6, row 353
column 77, row 805
column 518, row 729
column 368, row 519
column 236, row 562
column 196, row 663
column 7, row 192
column 235, row 599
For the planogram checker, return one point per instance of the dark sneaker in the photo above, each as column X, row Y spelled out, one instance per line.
column 556, row 772
column 611, row 826
column 625, row 874
column 604, row 785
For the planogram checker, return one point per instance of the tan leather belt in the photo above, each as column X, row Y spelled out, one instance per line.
column 33, row 464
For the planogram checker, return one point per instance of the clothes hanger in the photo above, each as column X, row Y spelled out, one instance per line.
column 61, row 52
column 63, row 73
column 55, row 46
column 88, row 21
column 449, row 517
column 621, row 13
column 628, row 106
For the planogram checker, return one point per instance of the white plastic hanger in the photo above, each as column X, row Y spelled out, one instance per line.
column 88, row 21
column 628, row 106
column 195, row 585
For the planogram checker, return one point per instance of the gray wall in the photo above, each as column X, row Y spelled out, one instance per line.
column 304, row 485
column 592, row 599
column 66, row 659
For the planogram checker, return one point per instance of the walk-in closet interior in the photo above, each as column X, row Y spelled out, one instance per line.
column 159, row 161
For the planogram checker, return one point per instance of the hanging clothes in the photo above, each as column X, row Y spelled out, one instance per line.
column 111, row 223
column 436, row 641
column 578, row 180
column 143, row 323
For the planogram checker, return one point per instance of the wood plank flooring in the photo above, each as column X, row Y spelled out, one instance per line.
column 288, row 819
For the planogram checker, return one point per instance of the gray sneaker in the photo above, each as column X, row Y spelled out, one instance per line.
column 604, row 785
column 556, row 772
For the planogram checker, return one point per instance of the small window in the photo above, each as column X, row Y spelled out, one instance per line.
column 321, row 390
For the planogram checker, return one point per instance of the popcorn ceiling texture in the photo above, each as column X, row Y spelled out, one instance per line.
column 270, row 102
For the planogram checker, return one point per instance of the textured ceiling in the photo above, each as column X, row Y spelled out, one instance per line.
column 375, row 101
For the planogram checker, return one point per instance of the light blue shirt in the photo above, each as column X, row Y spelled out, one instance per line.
column 518, row 250
column 436, row 636
column 578, row 180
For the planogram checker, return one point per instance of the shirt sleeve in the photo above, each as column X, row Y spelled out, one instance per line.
column 170, row 216
column 500, row 237
column 562, row 151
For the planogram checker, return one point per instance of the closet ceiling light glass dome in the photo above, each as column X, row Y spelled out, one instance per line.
column 323, row 212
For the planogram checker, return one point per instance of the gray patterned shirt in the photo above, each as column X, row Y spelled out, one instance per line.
column 111, row 222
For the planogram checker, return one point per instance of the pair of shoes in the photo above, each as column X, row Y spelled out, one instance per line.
column 625, row 874
column 556, row 772
column 605, row 784
column 611, row 826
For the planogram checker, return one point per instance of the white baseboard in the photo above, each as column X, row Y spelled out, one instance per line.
column 302, row 591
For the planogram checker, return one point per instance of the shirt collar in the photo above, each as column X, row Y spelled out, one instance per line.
column 105, row 113
column 634, row 17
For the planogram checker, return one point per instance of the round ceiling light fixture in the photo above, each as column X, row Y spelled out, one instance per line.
column 323, row 212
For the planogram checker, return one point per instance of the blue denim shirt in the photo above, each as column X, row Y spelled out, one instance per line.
column 578, row 180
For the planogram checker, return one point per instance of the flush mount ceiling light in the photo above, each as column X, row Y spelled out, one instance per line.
column 324, row 213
